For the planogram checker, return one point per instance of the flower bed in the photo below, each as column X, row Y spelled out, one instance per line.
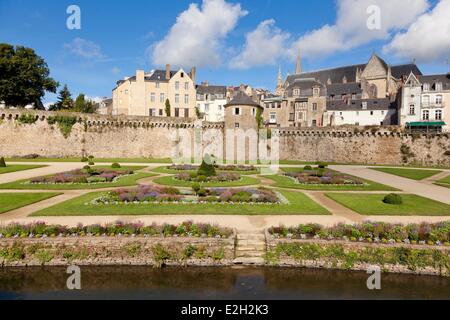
column 323, row 177
column 145, row 195
column 248, row 195
column 190, row 167
column 423, row 234
column 220, row 177
column 83, row 176
column 42, row 230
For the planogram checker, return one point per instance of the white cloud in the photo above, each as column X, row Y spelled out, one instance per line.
column 263, row 46
column 351, row 30
column 427, row 39
column 84, row 48
column 115, row 70
column 197, row 36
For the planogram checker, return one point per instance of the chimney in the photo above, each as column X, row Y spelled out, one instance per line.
column 140, row 75
column 193, row 74
column 167, row 71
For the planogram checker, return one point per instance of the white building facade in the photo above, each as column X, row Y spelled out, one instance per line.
column 211, row 101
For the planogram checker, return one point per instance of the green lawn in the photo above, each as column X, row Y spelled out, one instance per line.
column 415, row 174
column 299, row 204
column 444, row 182
column 18, row 167
column 171, row 171
column 121, row 182
column 170, row 181
column 12, row 201
column 99, row 160
column 373, row 205
column 286, row 182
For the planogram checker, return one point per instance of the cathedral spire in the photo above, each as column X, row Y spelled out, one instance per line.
column 298, row 66
column 280, row 78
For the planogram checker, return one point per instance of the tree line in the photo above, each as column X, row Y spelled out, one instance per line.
column 25, row 78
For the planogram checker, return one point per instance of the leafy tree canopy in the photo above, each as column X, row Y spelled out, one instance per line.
column 24, row 77
column 65, row 102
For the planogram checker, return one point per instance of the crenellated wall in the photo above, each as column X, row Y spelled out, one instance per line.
column 132, row 137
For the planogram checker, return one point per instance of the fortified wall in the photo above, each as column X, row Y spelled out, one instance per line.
column 29, row 132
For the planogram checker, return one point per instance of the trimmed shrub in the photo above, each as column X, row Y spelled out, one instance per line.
column 206, row 169
column 91, row 163
column 84, row 159
column 196, row 187
column 393, row 198
column 87, row 168
column 2, row 162
column 307, row 168
column 322, row 165
column 201, row 193
column 116, row 166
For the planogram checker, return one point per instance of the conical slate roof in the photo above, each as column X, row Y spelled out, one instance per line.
column 242, row 99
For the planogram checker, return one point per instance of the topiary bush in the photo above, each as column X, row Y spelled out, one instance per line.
column 206, row 169
column 2, row 162
column 91, row 163
column 84, row 159
column 393, row 198
column 322, row 165
column 116, row 166
column 307, row 168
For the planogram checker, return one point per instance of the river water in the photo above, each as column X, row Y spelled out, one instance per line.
column 239, row 283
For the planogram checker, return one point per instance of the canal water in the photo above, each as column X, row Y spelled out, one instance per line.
column 214, row 283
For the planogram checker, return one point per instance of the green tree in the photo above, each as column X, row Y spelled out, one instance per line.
column 65, row 102
column 2, row 162
column 167, row 108
column 24, row 77
column 85, row 105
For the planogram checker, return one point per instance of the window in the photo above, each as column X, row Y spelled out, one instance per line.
column 412, row 110
column 206, row 108
column 162, row 97
column 152, row 97
column 237, row 111
column 152, row 112
column 219, row 108
column 438, row 86
column 186, row 98
column 438, row 99
column 177, row 98
column 371, row 113
column 236, row 125
column 314, row 106
column 357, row 113
column 254, row 112
column 426, row 115
column 273, row 117
column 438, row 115
column 160, row 112
column 314, row 123
column 157, row 85
column 186, row 113
column 186, row 86
column 426, row 87
column 296, row 92
column 364, row 105
column 353, row 96
column 382, row 112
column 316, row 91
column 279, row 105
column 126, row 91
column 177, row 112
column 182, row 74
column 426, row 100
column 177, row 85
column 300, row 116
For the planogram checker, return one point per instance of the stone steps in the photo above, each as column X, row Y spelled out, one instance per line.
column 250, row 249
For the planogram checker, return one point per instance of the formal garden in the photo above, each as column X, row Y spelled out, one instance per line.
column 5, row 168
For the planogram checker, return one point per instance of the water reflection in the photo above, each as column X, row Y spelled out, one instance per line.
column 214, row 283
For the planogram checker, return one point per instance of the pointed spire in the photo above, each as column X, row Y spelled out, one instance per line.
column 280, row 78
column 298, row 66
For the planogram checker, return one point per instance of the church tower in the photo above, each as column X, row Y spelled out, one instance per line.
column 298, row 65
column 279, row 90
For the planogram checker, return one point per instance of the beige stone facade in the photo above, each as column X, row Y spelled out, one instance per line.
column 146, row 93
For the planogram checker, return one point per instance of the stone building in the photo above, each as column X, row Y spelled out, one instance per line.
column 211, row 101
column 105, row 107
column 146, row 93
column 425, row 100
column 241, row 128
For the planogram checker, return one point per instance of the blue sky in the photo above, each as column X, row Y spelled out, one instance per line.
column 243, row 41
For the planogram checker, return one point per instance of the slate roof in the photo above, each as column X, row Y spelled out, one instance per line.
column 356, row 105
column 241, row 99
column 304, row 84
column 201, row 89
column 433, row 79
column 155, row 76
column 343, row 88
column 337, row 74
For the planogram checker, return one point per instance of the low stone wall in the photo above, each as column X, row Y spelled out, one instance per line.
column 98, row 251
column 355, row 248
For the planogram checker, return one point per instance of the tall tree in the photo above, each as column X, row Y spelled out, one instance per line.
column 167, row 108
column 85, row 105
column 65, row 102
column 24, row 77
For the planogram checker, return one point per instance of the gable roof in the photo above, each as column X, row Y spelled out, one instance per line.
column 356, row 105
column 202, row 89
column 343, row 88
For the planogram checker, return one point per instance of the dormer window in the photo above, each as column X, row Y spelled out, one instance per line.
column 316, row 92
column 426, row 87
column 296, row 92
column 364, row 105
column 438, row 86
